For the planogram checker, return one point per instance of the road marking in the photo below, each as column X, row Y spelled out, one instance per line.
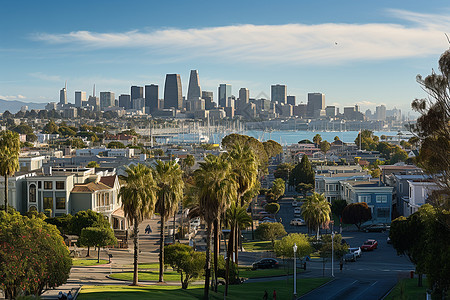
column 373, row 283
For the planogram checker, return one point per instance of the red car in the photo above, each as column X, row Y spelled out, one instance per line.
column 369, row 245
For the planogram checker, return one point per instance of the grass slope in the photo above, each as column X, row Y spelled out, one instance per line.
column 408, row 289
column 87, row 262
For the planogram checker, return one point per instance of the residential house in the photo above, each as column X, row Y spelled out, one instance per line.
column 419, row 191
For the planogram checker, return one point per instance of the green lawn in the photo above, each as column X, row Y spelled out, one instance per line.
column 257, row 246
column 249, row 273
column 236, row 292
column 87, row 262
column 148, row 276
column 149, row 266
column 408, row 289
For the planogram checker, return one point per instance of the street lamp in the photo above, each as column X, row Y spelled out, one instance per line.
column 295, row 271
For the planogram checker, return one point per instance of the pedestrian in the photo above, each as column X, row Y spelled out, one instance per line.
column 274, row 295
column 341, row 265
column 69, row 296
column 304, row 266
column 265, row 295
column 148, row 229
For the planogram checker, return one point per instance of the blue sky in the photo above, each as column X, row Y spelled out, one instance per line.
column 365, row 52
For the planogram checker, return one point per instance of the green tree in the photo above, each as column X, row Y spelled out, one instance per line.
column 169, row 192
column 31, row 137
column 375, row 173
column 75, row 143
column 66, row 131
column 23, row 129
column 339, row 248
column 138, row 203
column 325, row 147
column 188, row 163
column 50, row 128
column 62, row 222
column 338, row 206
column 356, row 213
column 285, row 246
column 272, row 148
column 369, row 141
column 316, row 211
column 398, row 155
column 115, row 145
column 33, row 255
column 317, row 139
column 84, row 219
column 98, row 237
column 304, row 188
column 158, row 152
column 216, row 190
column 302, row 172
column 9, row 158
column 189, row 263
column 93, row 164
column 270, row 231
column 272, row 208
column 283, row 170
column 278, row 188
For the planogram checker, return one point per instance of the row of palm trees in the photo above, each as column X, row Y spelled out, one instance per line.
column 220, row 191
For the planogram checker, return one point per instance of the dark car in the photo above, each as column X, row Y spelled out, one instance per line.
column 376, row 228
column 265, row 263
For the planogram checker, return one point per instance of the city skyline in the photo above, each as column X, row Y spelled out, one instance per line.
column 244, row 50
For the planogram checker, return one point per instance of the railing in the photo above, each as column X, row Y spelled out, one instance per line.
column 105, row 208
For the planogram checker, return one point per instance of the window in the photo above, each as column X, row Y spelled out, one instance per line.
column 48, row 185
column 48, row 202
column 39, row 184
column 32, row 193
column 365, row 198
column 60, row 185
column 60, row 202
column 381, row 199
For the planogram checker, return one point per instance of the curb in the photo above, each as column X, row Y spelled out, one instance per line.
column 93, row 266
column 78, row 292
column 316, row 288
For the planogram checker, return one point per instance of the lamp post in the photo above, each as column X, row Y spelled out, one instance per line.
column 295, row 271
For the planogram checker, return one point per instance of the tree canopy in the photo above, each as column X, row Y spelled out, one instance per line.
column 186, row 261
column 97, row 236
column 285, row 246
column 356, row 213
column 302, row 172
column 270, row 231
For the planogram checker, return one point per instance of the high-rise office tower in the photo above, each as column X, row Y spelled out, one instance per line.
column 209, row 100
column 316, row 103
column 151, row 98
column 224, row 94
column 136, row 92
column 279, row 93
column 107, row 99
column 63, row 96
column 380, row 112
column 291, row 100
column 80, row 98
column 194, row 90
column 173, row 96
column 125, row 101
column 244, row 96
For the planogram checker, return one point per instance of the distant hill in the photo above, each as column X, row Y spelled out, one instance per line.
column 14, row 106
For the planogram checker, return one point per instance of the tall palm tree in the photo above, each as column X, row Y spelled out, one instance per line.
column 169, row 192
column 9, row 157
column 245, row 172
column 138, row 203
column 316, row 211
column 235, row 217
column 216, row 190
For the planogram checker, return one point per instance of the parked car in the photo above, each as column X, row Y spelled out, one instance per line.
column 295, row 203
column 265, row 263
column 369, row 245
column 269, row 219
column 297, row 211
column 357, row 251
column 297, row 222
column 376, row 228
column 350, row 256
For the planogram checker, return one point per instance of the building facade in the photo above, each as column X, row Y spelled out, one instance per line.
column 173, row 97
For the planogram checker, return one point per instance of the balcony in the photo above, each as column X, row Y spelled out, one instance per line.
column 104, row 208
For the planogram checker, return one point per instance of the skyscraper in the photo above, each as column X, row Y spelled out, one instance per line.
column 136, row 92
column 194, row 90
column 151, row 97
column 173, row 92
column 125, row 101
column 380, row 112
column 80, row 98
column 209, row 100
column 279, row 93
column 63, row 96
column 224, row 94
column 107, row 99
column 244, row 96
column 291, row 100
column 316, row 103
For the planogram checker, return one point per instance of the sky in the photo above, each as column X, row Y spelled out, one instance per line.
column 355, row 52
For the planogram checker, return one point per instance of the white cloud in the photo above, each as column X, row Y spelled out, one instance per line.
column 18, row 97
column 329, row 43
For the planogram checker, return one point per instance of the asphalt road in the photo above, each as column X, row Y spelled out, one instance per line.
column 370, row 277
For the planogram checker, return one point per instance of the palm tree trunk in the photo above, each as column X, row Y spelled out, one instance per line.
column 216, row 251
column 236, row 244
column 229, row 253
column 318, row 228
column 173, row 231
column 6, row 193
column 251, row 213
column 161, row 248
column 136, row 251
column 207, row 263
